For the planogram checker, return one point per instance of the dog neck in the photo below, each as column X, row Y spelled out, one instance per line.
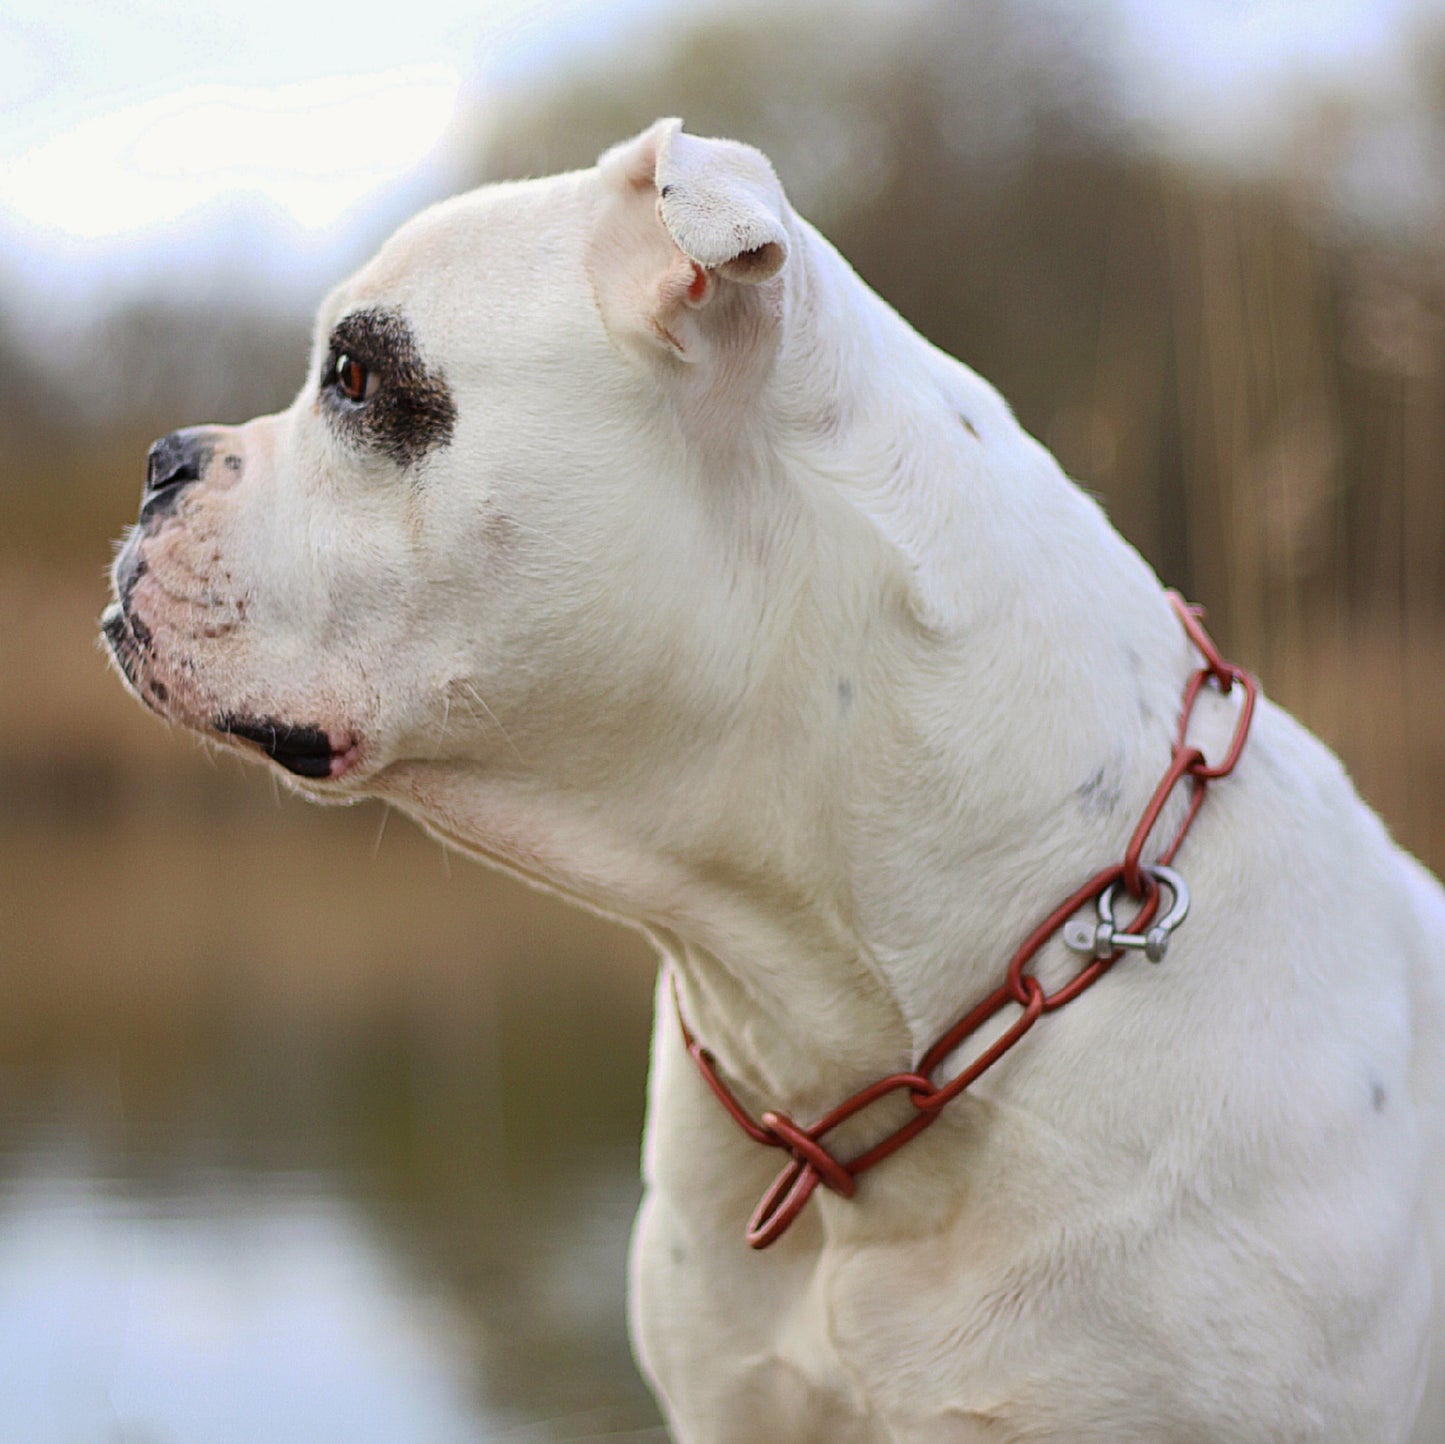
column 1000, row 718
column 991, row 694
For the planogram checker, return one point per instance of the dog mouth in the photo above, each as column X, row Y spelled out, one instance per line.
column 305, row 750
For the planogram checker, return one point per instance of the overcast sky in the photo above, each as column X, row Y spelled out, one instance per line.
column 145, row 139
column 139, row 137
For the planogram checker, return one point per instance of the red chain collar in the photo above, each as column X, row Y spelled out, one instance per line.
column 810, row 1163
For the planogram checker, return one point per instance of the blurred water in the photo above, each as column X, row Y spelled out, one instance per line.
column 246, row 1308
column 150, row 1297
column 305, row 1133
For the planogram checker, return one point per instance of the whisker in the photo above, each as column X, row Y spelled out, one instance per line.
column 446, row 717
column 560, row 1426
column 495, row 720
column 380, row 831
column 652, row 1431
column 545, row 535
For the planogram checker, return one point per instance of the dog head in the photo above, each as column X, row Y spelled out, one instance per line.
column 488, row 536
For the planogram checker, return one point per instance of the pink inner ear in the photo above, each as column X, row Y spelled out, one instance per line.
column 697, row 291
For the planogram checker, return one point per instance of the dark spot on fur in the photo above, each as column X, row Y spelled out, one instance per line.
column 666, row 191
column 1378, row 1094
column 412, row 412
column 233, row 462
column 1099, row 792
column 968, row 426
column 159, row 691
column 845, row 693
column 500, row 529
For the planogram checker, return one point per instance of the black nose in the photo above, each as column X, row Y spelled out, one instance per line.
column 174, row 462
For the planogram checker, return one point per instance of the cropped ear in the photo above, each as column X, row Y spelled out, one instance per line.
column 687, row 221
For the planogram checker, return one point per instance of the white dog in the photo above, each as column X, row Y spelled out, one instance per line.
column 626, row 539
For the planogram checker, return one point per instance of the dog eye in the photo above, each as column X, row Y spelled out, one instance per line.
column 353, row 380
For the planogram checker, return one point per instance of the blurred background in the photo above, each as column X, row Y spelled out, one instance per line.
column 307, row 1131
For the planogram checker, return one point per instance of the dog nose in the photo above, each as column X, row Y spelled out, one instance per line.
column 176, row 461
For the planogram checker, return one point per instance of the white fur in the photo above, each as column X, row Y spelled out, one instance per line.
column 736, row 610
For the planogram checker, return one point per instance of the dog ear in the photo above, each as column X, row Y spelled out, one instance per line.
column 691, row 226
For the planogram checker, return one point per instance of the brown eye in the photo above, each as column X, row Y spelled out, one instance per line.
column 353, row 380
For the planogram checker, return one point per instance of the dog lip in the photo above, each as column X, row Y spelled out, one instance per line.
column 344, row 759
column 305, row 749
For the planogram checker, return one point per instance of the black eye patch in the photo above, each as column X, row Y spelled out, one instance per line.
column 412, row 411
